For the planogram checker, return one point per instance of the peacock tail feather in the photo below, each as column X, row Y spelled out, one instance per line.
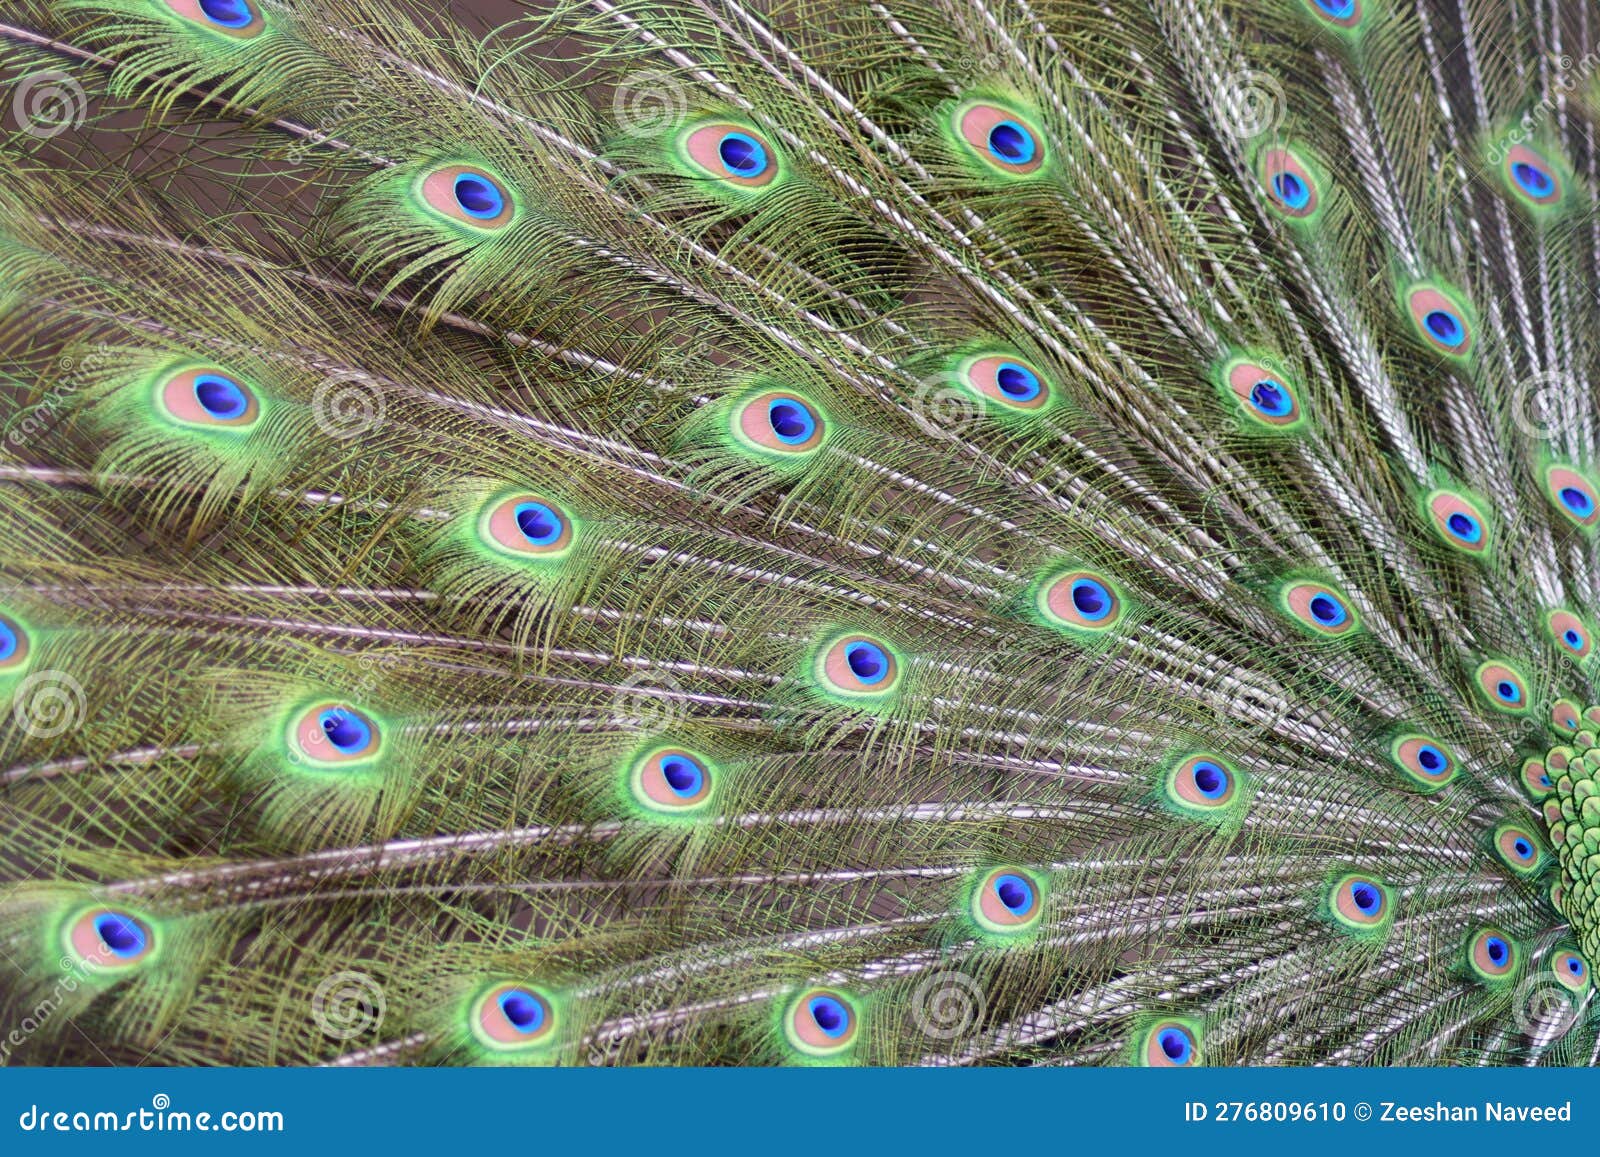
column 951, row 532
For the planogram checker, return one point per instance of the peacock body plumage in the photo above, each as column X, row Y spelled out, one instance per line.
column 954, row 532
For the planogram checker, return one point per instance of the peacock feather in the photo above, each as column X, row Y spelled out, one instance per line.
column 952, row 532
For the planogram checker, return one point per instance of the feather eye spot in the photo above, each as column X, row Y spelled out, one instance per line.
column 858, row 667
column 1440, row 320
column 1491, row 954
column 235, row 18
column 672, row 781
column 1458, row 521
column 735, row 154
column 1536, row 780
column 332, row 734
column 1081, row 601
column 1007, row 380
column 780, row 423
column 822, row 1023
column 1503, row 686
column 1264, row 396
column 206, row 398
column 1344, row 13
column 527, row 526
column 1519, row 849
column 467, row 195
column 1426, row 761
column 1170, row 1044
column 1574, row 495
column 1532, row 177
column 1202, row 784
column 1007, row 901
column 514, row 1016
column 1570, row 969
column 1291, row 188
column 1320, row 608
column 14, row 645
column 1360, row 903
column 1564, row 717
column 109, row 939
column 1002, row 138
column 1570, row 634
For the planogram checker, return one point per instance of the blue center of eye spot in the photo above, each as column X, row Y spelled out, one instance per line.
column 829, row 1015
column 1270, row 398
column 121, row 935
column 227, row 13
column 1174, row 1045
column 523, row 1010
column 1534, row 180
column 1508, row 691
column 1339, row 9
column 1572, row 637
column 866, row 661
column 1017, row 382
column 1366, row 897
column 1577, row 501
column 1544, row 780
column 1014, row 893
column 1326, row 610
column 682, row 776
column 345, row 729
column 1091, row 599
column 8, row 641
column 1497, row 950
column 540, row 525
column 1291, row 190
column 1444, row 326
column 1464, row 527
column 1210, row 779
column 1431, row 759
column 1574, row 966
column 220, row 397
column 1523, row 849
column 790, row 420
column 1012, row 143
column 742, row 154
column 478, row 197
